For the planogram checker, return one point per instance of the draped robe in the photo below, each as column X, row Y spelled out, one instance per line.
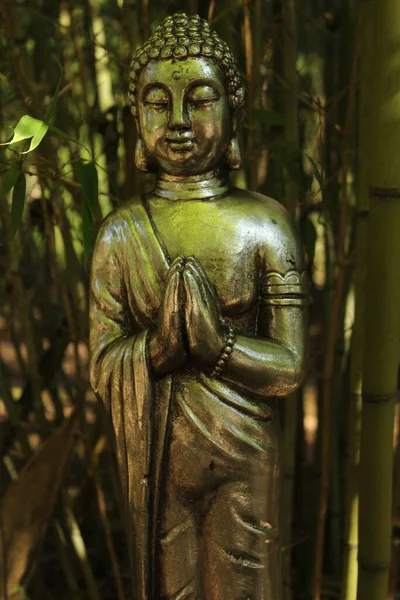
column 128, row 273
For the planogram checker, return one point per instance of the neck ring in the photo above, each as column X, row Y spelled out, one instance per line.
column 195, row 187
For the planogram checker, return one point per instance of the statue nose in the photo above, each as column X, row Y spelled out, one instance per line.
column 179, row 118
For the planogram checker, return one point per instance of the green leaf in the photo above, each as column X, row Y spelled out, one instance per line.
column 10, row 181
column 269, row 117
column 18, row 202
column 37, row 138
column 87, row 175
column 27, row 127
column 310, row 240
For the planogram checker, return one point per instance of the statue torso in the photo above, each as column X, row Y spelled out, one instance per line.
column 230, row 236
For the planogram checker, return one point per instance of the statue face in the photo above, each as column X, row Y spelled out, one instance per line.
column 184, row 115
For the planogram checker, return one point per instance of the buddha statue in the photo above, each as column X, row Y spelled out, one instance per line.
column 197, row 330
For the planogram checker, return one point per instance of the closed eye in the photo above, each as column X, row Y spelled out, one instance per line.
column 203, row 102
column 159, row 106
column 203, row 96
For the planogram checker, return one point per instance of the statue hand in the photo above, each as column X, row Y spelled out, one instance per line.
column 166, row 347
column 202, row 316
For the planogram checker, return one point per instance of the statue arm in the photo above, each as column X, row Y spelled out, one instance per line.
column 269, row 366
column 273, row 363
column 111, row 338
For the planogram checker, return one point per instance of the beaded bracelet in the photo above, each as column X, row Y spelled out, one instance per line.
column 226, row 352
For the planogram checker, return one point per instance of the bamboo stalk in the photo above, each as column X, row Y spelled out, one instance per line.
column 8, row 29
column 290, row 101
column 333, row 521
column 333, row 331
column 108, row 534
column 394, row 567
column 382, row 344
column 62, row 545
column 350, row 564
column 83, row 78
column 22, row 301
column 248, row 45
column 17, row 348
column 145, row 19
column 12, row 409
column 80, row 549
column 291, row 404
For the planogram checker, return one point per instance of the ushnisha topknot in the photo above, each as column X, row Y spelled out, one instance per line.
column 181, row 36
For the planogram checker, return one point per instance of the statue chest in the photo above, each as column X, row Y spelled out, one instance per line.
column 223, row 243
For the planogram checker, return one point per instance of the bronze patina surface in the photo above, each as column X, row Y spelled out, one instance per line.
column 198, row 325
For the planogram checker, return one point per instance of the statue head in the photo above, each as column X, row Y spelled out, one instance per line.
column 187, row 97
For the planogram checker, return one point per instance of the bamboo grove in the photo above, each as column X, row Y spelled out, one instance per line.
column 321, row 135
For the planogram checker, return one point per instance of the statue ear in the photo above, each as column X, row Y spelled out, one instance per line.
column 232, row 156
column 142, row 160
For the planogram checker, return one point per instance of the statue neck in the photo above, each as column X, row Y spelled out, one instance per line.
column 194, row 187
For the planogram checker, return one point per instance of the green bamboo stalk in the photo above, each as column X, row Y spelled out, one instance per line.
column 291, row 405
column 382, row 343
column 333, row 516
column 394, row 567
column 290, row 103
column 350, row 561
column 79, row 546
column 75, row 31
column 249, row 56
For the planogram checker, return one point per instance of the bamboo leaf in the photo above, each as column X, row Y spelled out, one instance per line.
column 37, row 138
column 18, row 203
column 28, row 504
column 27, row 127
column 269, row 117
column 10, row 180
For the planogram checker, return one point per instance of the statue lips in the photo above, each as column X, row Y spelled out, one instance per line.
column 180, row 143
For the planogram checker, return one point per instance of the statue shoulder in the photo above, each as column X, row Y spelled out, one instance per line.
column 279, row 241
column 114, row 224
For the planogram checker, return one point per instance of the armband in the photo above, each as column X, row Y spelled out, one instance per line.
column 289, row 289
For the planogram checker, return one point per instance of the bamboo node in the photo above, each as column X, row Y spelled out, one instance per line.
column 378, row 398
column 373, row 568
column 352, row 547
column 385, row 192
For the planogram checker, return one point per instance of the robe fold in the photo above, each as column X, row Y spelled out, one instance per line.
column 127, row 274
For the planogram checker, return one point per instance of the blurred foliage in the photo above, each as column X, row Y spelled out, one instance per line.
column 67, row 159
